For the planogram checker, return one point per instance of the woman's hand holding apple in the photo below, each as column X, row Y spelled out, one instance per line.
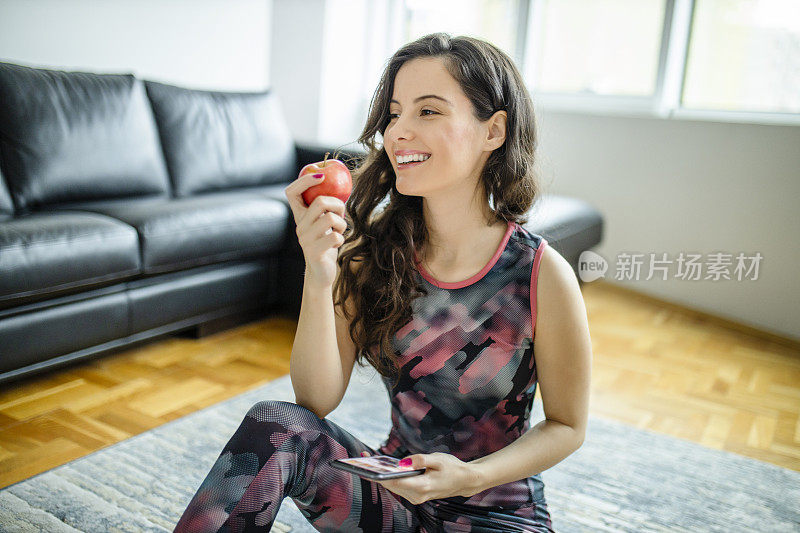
column 320, row 229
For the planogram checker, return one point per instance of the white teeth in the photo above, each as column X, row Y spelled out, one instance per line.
column 415, row 157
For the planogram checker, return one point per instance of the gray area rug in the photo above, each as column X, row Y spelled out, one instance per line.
column 621, row 479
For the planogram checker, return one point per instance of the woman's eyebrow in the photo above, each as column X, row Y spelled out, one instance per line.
column 423, row 97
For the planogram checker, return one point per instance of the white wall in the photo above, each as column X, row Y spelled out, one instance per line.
column 296, row 59
column 324, row 54
column 689, row 186
column 203, row 44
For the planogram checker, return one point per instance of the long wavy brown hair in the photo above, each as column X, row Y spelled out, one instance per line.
column 376, row 262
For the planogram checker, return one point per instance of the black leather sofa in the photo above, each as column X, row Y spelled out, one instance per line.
column 131, row 209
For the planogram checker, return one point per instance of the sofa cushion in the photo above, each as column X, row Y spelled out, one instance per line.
column 187, row 232
column 221, row 140
column 277, row 192
column 67, row 136
column 560, row 218
column 45, row 254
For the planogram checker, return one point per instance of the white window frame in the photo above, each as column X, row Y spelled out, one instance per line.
column 665, row 103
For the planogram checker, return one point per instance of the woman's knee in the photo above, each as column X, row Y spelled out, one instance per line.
column 282, row 412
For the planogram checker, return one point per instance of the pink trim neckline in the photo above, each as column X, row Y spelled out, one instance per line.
column 476, row 277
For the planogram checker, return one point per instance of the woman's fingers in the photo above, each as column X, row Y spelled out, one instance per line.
column 331, row 221
column 295, row 190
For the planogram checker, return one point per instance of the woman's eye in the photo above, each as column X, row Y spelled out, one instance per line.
column 431, row 111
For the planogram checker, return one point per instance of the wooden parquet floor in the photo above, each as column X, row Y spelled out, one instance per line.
column 655, row 366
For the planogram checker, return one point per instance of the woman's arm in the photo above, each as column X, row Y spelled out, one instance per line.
column 563, row 353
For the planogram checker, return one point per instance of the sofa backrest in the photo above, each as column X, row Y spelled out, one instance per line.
column 215, row 140
column 77, row 136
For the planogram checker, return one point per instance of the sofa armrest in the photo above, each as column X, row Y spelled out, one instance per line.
column 308, row 152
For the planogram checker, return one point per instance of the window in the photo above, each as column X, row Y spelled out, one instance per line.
column 744, row 55
column 497, row 21
column 735, row 60
column 609, row 47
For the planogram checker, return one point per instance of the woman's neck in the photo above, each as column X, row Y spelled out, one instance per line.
column 460, row 245
column 460, row 227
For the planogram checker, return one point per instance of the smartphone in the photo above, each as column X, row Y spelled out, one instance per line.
column 375, row 467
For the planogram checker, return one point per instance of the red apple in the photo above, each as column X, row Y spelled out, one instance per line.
column 337, row 181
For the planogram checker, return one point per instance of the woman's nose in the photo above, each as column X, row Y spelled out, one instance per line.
column 400, row 129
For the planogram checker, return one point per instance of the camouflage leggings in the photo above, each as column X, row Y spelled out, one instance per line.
column 282, row 449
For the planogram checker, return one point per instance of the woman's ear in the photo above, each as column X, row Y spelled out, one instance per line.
column 496, row 130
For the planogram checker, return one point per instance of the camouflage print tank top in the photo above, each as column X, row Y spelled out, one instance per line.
column 467, row 368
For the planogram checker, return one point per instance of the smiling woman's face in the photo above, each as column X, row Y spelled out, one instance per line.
column 443, row 127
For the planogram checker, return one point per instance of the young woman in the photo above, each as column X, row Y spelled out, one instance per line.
column 442, row 291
